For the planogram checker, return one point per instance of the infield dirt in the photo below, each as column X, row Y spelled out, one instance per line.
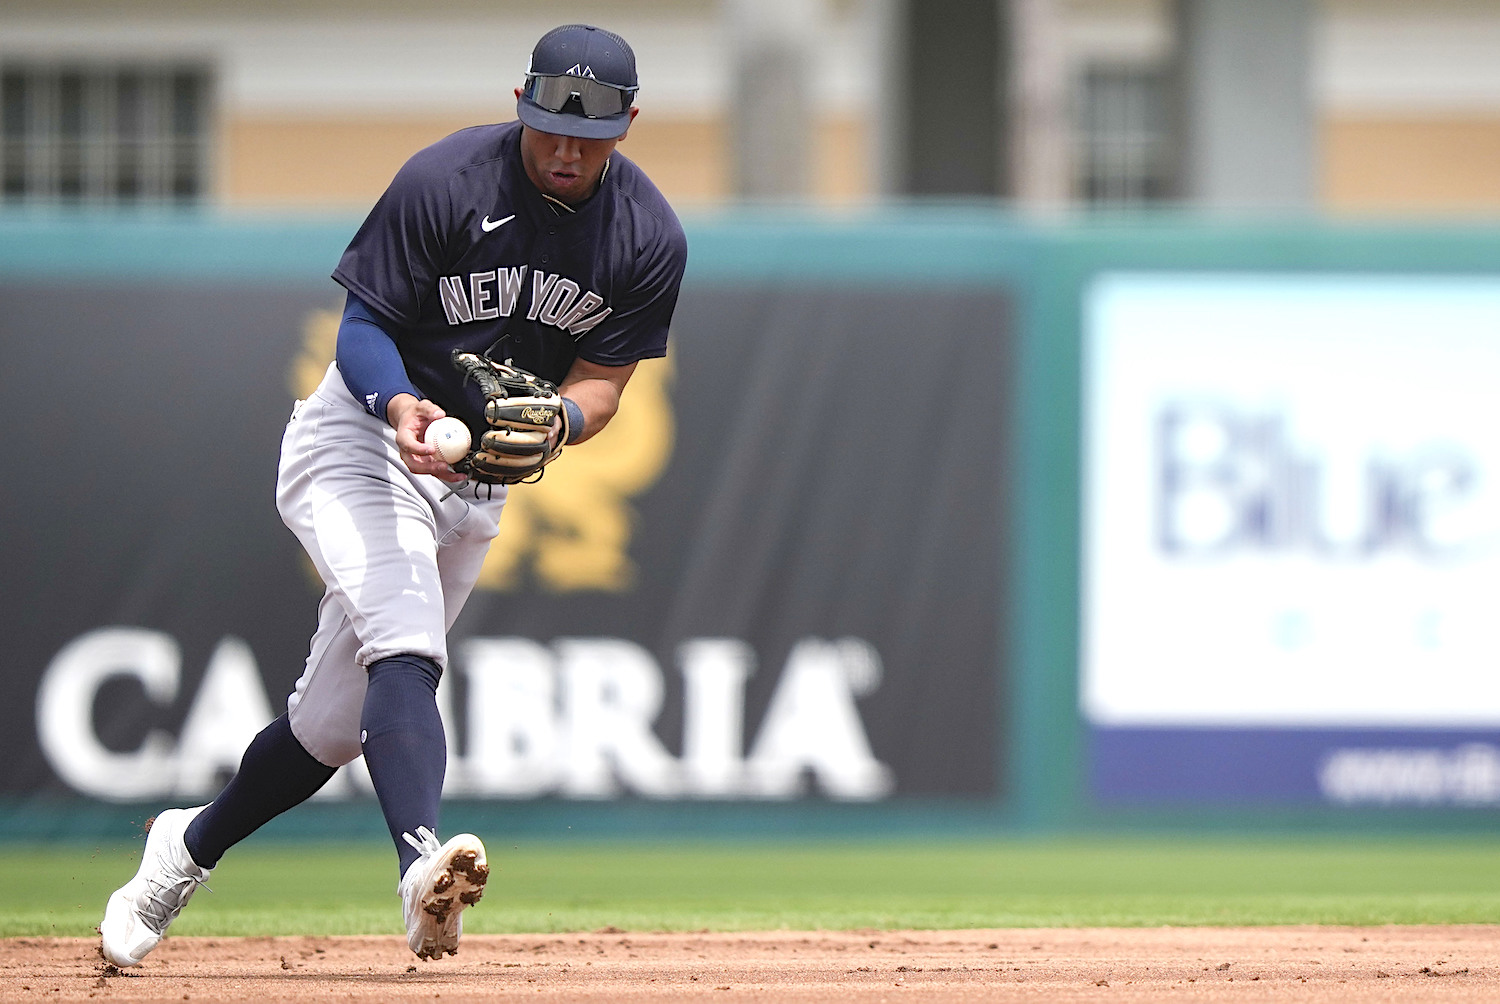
column 1117, row 964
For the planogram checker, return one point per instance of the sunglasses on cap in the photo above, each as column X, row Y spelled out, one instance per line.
column 597, row 100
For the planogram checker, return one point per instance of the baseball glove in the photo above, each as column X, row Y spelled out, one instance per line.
column 519, row 409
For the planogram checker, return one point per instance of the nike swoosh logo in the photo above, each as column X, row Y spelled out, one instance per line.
column 488, row 224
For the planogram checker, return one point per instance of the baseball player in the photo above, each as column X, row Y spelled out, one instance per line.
column 530, row 243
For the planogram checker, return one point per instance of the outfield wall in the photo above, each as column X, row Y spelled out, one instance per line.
column 937, row 522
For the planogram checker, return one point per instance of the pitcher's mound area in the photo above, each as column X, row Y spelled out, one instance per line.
column 1157, row 964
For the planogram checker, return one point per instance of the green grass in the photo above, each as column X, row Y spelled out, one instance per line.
column 282, row 889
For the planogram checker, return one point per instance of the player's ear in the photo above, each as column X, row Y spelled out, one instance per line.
column 518, row 94
column 633, row 112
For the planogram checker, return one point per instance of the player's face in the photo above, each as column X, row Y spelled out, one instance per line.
column 565, row 167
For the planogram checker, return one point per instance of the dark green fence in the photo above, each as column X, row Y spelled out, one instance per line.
column 905, row 290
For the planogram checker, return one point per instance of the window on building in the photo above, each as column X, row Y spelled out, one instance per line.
column 1125, row 148
column 120, row 134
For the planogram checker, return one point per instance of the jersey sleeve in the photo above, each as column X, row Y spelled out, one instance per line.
column 397, row 254
column 637, row 328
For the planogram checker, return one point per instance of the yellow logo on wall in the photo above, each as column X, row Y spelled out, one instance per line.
column 571, row 530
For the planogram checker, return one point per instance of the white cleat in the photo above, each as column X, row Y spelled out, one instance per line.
column 437, row 887
column 138, row 913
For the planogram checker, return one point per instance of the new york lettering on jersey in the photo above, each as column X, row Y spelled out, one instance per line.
column 555, row 299
column 463, row 252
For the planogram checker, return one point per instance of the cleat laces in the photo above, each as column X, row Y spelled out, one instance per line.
column 164, row 900
column 425, row 842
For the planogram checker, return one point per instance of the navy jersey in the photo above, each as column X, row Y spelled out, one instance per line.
column 462, row 251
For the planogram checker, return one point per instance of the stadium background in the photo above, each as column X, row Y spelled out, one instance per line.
column 814, row 622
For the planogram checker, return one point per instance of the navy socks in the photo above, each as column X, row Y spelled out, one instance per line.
column 275, row 774
column 405, row 749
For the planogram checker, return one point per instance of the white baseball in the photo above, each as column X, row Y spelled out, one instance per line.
column 451, row 437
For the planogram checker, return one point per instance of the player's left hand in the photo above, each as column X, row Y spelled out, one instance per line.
column 527, row 427
column 410, row 417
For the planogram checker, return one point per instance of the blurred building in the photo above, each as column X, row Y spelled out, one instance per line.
column 1363, row 105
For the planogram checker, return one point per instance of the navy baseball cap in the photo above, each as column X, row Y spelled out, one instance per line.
column 580, row 82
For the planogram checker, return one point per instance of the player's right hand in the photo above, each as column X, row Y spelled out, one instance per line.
column 410, row 417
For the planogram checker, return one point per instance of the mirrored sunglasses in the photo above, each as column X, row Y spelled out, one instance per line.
column 597, row 100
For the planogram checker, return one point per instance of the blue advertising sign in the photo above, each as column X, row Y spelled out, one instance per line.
column 1290, row 529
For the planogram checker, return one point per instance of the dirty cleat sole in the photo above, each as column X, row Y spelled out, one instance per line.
column 437, row 888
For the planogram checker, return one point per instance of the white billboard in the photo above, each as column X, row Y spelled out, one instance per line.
column 1291, row 501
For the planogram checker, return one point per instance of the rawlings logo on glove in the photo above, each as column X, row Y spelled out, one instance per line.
column 520, row 409
column 538, row 415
